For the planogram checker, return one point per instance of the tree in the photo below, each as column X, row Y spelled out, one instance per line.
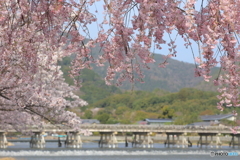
column 88, row 114
column 43, row 98
column 103, row 118
column 121, row 109
column 38, row 28
column 166, row 112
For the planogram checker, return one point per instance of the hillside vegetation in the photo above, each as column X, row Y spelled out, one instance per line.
column 165, row 94
column 175, row 76
column 184, row 106
column 93, row 86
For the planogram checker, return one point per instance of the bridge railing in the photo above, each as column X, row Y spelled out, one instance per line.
column 133, row 126
column 154, row 127
column 124, row 127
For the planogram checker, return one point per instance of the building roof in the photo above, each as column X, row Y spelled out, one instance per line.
column 89, row 121
column 158, row 120
column 215, row 117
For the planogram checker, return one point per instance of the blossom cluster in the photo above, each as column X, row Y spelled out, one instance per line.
column 34, row 34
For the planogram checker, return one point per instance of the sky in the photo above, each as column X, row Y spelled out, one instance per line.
column 183, row 54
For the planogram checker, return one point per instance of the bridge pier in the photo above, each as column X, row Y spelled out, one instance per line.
column 73, row 140
column 109, row 139
column 37, row 140
column 3, row 140
column 205, row 142
column 126, row 140
column 172, row 141
column 233, row 143
column 185, row 141
column 218, row 141
column 142, row 139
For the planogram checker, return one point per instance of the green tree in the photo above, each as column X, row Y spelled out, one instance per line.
column 121, row 110
column 111, row 120
column 166, row 112
column 103, row 118
column 140, row 115
column 88, row 114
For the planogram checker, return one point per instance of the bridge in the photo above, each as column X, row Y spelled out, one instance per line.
column 175, row 135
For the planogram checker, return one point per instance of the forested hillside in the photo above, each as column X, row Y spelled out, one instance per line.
column 184, row 106
column 93, row 86
column 175, row 76
column 165, row 95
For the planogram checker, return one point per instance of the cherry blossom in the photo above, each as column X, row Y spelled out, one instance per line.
column 41, row 98
column 34, row 33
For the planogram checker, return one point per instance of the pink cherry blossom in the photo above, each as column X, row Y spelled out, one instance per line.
column 35, row 33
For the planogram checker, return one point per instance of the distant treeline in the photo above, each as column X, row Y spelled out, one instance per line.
column 184, row 106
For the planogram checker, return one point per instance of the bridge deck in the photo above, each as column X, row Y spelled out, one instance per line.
column 133, row 128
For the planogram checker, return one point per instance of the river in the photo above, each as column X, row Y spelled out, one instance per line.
column 90, row 151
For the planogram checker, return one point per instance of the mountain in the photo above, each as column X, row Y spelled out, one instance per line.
column 175, row 76
column 93, row 86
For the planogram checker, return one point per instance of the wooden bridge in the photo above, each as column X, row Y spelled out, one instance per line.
column 141, row 135
column 158, row 128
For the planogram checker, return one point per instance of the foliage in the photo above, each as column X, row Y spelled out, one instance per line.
column 34, row 34
column 166, row 112
column 184, row 106
column 88, row 114
column 44, row 98
column 93, row 87
column 120, row 110
column 103, row 118
column 229, row 123
column 172, row 78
